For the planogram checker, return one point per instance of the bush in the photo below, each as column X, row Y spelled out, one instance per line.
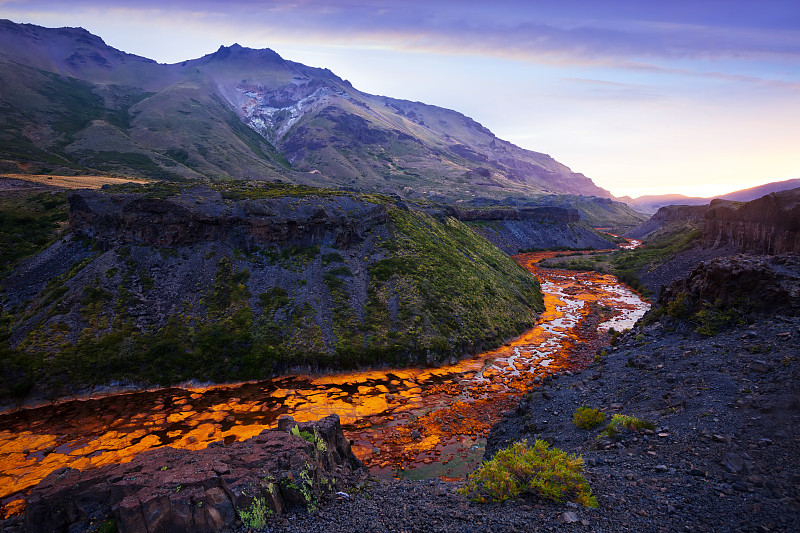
column 547, row 472
column 710, row 319
column 588, row 418
column 620, row 423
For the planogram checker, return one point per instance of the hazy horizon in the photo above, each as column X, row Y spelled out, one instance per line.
column 700, row 99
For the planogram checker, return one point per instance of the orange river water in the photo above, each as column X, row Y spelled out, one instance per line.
column 410, row 422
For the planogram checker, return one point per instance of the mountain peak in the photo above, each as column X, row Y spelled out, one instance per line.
column 243, row 53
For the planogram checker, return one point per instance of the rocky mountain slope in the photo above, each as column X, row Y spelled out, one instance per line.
column 719, row 383
column 72, row 103
column 165, row 283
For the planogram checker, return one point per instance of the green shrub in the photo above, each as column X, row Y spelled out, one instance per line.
column 549, row 473
column 256, row 516
column 588, row 418
column 620, row 423
column 712, row 318
column 332, row 257
column 679, row 306
column 305, row 435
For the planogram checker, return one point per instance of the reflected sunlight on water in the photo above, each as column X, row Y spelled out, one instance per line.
column 412, row 422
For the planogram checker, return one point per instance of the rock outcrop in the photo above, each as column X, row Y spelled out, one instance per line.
column 770, row 224
column 202, row 215
column 554, row 214
column 764, row 284
column 515, row 229
column 204, row 490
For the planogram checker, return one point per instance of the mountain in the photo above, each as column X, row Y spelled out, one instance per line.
column 71, row 103
column 651, row 203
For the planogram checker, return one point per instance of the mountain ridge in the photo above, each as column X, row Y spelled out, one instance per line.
column 652, row 202
column 73, row 102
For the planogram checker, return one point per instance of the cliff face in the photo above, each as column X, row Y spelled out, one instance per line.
column 559, row 215
column 668, row 215
column 516, row 229
column 770, row 224
column 198, row 216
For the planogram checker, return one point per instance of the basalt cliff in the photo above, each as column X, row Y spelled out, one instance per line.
column 768, row 225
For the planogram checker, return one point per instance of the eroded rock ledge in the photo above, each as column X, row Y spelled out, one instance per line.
column 204, row 490
column 766, row 284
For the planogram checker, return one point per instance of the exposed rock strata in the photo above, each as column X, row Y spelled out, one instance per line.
column 516, row 229
column 201, row 215
column 202, row 491
column 666, row 215
column 770, row 224
column 539, row 214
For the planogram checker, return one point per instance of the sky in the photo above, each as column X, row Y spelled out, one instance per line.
column 683, row 96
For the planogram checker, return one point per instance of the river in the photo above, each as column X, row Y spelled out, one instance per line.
column 411, row 422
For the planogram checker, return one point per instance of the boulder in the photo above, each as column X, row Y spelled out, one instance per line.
column 206, row 490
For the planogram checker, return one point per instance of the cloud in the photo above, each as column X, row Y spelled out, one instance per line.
column 577, row 32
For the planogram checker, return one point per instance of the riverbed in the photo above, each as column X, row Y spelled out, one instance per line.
column 411, row 422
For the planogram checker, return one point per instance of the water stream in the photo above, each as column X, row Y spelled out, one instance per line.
column 412, row 422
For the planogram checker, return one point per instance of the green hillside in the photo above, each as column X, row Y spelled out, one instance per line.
column 368, row 282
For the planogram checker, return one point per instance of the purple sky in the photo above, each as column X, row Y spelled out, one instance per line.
column 643, row 97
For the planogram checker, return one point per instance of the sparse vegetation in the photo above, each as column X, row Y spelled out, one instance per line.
column 547, row 472
column 256, row 516
column 28, row 221
column 305, row 435
column 620, row 423
column 710, row 319
column 588, row 418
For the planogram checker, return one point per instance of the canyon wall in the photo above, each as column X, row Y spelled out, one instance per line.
column 770, row 224
column 518, row 229
column 200, row 215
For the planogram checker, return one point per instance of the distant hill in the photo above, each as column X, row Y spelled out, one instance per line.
column 652, row 203
column 71, row 103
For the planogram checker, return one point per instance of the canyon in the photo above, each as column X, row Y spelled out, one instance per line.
column 402, row 422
